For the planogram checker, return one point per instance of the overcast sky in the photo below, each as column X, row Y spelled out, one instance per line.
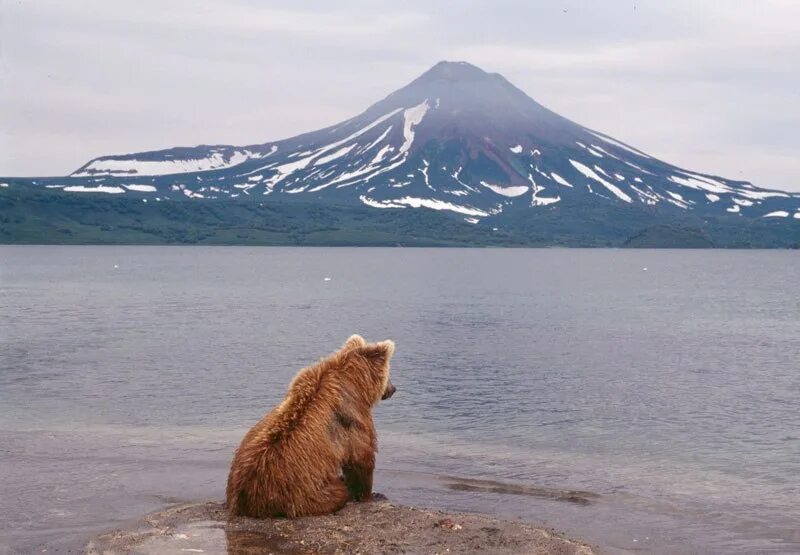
column 711, row 85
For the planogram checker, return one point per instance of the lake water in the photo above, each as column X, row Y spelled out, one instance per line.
column 666, row 382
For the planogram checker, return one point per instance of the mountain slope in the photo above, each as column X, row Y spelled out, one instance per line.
column 456, row 140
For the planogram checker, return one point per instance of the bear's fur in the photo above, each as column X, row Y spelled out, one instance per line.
column 316, row 450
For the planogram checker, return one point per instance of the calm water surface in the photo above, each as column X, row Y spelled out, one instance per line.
column 667, row 382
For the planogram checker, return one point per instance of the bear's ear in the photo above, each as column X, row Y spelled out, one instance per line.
column 353, row 342
column 378, row 353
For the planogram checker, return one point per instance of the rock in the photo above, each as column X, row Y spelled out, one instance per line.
column 373, row 528
column 448, row 524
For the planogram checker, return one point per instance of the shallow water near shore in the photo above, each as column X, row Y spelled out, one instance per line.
column 666, row 396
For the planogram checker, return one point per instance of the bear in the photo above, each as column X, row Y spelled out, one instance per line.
column 316, row 450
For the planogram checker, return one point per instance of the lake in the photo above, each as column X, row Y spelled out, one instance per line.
column 665, row 382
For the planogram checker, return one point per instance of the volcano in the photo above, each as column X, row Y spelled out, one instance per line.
column 456, row 140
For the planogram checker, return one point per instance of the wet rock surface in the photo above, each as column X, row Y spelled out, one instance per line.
column 378, row 527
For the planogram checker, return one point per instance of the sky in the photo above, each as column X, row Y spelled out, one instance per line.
column 708, row 85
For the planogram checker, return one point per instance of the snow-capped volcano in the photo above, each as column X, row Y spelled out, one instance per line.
column 456, row 139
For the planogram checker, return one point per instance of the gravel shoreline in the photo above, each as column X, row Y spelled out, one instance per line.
column 377, row 527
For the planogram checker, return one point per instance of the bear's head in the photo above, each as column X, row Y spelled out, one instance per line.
column 368, row 367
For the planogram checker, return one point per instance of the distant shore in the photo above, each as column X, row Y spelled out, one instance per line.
column 378, row 527
column 37, row 215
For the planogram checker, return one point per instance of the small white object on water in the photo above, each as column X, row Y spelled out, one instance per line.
column 116, row 266
column 644, row 269
column 326, row 279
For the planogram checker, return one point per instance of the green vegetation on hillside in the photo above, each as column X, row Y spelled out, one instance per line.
column 31, row 215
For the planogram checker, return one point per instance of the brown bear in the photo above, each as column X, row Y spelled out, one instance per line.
column 316, row 450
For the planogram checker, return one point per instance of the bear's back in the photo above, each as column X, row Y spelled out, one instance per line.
column 289, row 454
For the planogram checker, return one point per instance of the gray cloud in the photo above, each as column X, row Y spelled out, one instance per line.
column 713, row 86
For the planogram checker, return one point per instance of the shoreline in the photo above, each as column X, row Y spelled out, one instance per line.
column 377, row 527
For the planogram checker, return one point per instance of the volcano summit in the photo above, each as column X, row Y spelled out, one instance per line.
column 472, row 147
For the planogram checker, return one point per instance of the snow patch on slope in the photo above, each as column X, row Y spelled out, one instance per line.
column 285, row 170
column 98, row 189
column 761, row 195
column 379, row 203
column 677, row 200
column 381, row 153
column 590, row 173
column 536, row 200
column 698, row 182
column 424, row 171
column 647, row 198
column 331, row 157
column 412, row 117
column 560, row 180
column 513, row 191
column 415, row 202
column 376, row 141
column 122, row 167
column 141, row 188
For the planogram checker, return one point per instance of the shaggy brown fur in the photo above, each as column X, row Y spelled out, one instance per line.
column 316, row 450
